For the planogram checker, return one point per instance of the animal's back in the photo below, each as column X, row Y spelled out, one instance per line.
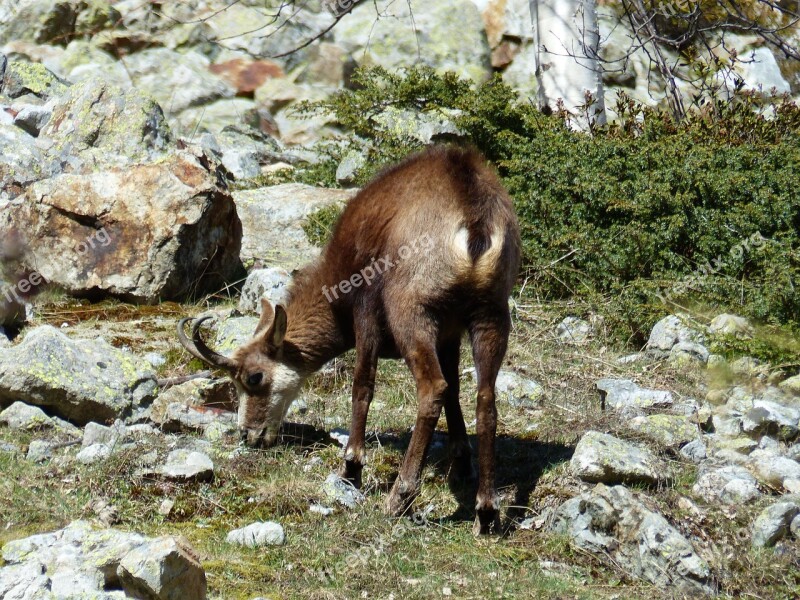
column 439, row 220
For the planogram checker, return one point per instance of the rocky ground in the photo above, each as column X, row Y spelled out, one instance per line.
column 671, row 472
column 134, row 147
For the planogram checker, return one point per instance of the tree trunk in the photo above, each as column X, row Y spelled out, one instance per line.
column 567, row 40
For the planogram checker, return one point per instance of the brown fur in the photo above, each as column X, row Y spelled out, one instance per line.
column 417, row 309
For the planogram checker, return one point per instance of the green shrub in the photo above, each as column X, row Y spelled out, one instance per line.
column 643, row 216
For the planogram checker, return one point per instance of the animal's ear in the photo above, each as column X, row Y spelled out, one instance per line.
column 267, row 316
column 277, row 331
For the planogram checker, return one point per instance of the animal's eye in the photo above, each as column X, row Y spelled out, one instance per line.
column 255, row 379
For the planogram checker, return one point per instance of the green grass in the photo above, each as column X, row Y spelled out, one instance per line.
column 362, row 551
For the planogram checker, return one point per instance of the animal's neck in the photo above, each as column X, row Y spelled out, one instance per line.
column 313, row 336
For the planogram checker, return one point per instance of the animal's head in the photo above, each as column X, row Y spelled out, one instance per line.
column 266, row 384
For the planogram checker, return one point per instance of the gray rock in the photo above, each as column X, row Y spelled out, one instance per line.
column 747, row 367
column 342, row 491
column 32, row 118
column 518, row 391
column 271, row 284
column 672, row 330
column 244, row 150
column 23, row 78
column 266, row 533
column 426, row 127
column 773, row 523
column 233, row 332
column 611, row 521
column 432, row 36
column 177, row 80
column 667, row 430
column 94, row 453
column 94, row 433
column 771, row 418
column 187, row 465
column 727, row 424
column 775, row 471
column 695, row 451
column 273, row 218
column 624, row 393
column 21, row 162
column 600, row 457
column 729, row 485
column 165, row 568
column 349, row 166
column 9, row 448
column 727, row 324
column 573, row 330
column 81, row 380
column 39, row 451
column 691, row 351
column 182, row 235
column 791, row 385
column 23, row 416
column 794, row 527
column 96, row 124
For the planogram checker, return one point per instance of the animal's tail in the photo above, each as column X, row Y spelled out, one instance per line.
column 484, row 194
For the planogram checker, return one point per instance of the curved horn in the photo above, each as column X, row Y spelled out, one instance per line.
column 197, row 347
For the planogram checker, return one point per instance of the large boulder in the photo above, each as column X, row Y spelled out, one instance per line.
column 431, row 35
column 273, row 218
column 20, row 78
column 613, row 522
column 81, row 561
column 21, row 161
column 600, row 457
column 96, row 124
column 80, row 380
column 165, row 230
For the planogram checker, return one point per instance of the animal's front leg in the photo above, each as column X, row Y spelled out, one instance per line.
column 355, row 453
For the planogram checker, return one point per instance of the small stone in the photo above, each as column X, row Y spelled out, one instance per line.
column 39, row 451
column 747, row 366
column 573, row 330
column 726, row 324
column 186, row 465
column 694, row 451
column 155, row 359
column 773, row 470
column 342, row 491
column 774, row 523
column 164, row 568
column 24, row 416
column 729, row 485
column 794, row 527
column 271, row 284
column 94, row 433
column 688, row 351
column 791, row 386
column 320, row 509
column 255, row 535
column 166, row 507
column 622, row 393
column 93, row 454
column 672, row 330
column 600, row 457
column 668, row 430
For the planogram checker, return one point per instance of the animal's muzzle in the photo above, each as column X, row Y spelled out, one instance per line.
column 256, row 438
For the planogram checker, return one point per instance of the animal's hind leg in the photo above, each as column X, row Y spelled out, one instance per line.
column 460, row 452
column 489, row 337
column 422, row 360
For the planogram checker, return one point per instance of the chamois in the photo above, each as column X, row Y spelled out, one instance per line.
column 427, row 251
